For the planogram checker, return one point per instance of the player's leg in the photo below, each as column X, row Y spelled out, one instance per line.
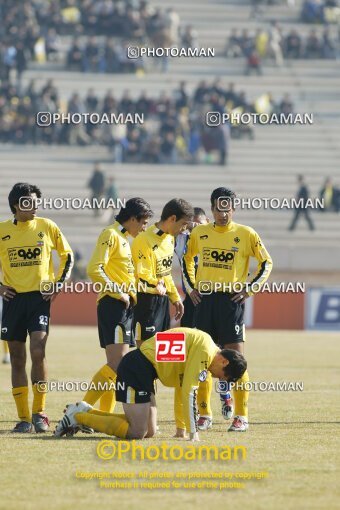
column 114, row 328
column 204, row 320
column 17, row 351
column 6, row 358
column 38, row 317
column 241, row 395
column 38, row 341
column 148, row 316
column 152, row 425
column 13, row 326
column 231, row 335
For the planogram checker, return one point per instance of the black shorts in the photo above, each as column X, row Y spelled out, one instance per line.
column 135, row 379
column 114, row 322
column 151, row 315
column 221, row 318
column 188, row 318
column 25, row 313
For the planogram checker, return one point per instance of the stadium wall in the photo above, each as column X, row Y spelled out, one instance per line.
column 317, row 308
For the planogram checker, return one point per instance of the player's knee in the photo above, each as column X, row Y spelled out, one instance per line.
column 37, row 353
column 18, row 360
column 137, row 432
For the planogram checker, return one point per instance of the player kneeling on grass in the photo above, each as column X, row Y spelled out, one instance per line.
column 136, row 374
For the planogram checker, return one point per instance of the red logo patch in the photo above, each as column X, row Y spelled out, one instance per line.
column 170, row 347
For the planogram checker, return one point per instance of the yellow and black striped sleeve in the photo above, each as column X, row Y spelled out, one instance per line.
column 65, row 253
column 188, row 262
column 144, row 262
column 100, row 256
column 265, row 263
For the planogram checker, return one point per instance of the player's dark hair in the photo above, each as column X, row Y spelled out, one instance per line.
column 178, row 207
column 198, row 211
column 237, row 364
column 134, row 208
column 19, row 190
column 221, row 192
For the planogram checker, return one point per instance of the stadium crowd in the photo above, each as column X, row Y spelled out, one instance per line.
column 273, row 43
column 174, row 128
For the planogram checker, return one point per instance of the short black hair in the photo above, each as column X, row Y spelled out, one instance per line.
column 178, row 207
column 221, row 192
column 134, row 208
column 19, row 190
column 237, row 364
column 198, row 211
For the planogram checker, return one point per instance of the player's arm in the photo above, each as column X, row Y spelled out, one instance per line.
column 179, row 418
column 6, row 292
column 264, row 268
column 65, row 253
column 96, row 267
column 265, row 263
column 188, row 267
column 143, row 262
column 192, row 370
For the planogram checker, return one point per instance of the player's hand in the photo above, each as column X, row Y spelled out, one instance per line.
column 240, row 297
column 195, row 297
column 50, row 297
column 179, row 310
column 161, row 288
column 7, row 293
column 125, row 298
column 194, row 437
column 181, row 433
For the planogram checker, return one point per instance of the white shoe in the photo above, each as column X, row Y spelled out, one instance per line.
column 68, row 424
column 239, row 424
column 6, row 359
column 227, row 407
column 204, row 423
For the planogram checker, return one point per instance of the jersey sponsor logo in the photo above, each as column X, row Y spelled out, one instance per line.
column 3, row 330
column 163, row 266
column 24, row 256
column 202, row 376
column 6, row 238
column 170, row 347
column 142, row 393
column 217, row 257
column 151, row 329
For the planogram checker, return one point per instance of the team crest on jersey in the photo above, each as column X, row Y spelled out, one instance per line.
column 203, row 375
column 41, row 235
column 237, row 239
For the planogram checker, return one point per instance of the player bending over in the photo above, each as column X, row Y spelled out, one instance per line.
column 136, row 374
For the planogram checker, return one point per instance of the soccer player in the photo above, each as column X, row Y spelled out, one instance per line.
column 26, row 245
column 152, row 253
column 224, row 249
column 111, row 265
column 136, row 374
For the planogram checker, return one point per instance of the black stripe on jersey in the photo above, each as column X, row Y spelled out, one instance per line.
column 15, row 221
column 67, row 268
column 260, row 273
column 186, row 274
column 122, row 229
column 148, row 284
column 160, row 232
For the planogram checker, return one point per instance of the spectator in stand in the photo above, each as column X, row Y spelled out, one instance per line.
column 233, row 47
column 253, row 63
column 52, row 43
column 286, row 106
column 275, row 43
column 97, row 187
column 330, row 195
column 189, row 38
column 301, row 209
column 91, row 56
column 75, row 56
column 313, row 45
column 293, row 45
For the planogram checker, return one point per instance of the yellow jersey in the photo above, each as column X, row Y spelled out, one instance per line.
column 200, row 350
column 152, row 253
column 111, row 263
column 26, row 253
column 223, row 256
